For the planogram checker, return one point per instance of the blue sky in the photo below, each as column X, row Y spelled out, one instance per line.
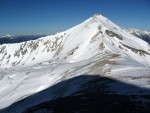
column 22, row 17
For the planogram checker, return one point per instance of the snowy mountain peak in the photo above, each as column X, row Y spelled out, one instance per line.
column 95, row 47
column 94, row 36
column 98, row 15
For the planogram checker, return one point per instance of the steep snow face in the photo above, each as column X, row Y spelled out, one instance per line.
column 145, row 35
column 96, row 46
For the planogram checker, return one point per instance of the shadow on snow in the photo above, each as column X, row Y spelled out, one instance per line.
column 86, row 94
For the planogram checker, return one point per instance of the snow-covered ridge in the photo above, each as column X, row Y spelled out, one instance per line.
column 96, row 47
column 77, row 38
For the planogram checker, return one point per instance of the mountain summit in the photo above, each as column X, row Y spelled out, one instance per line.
column 95, row 47
column 95, row 35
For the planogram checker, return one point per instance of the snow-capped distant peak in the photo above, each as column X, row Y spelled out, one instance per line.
column 143, row 34
column 8, row 36
column 133, row 30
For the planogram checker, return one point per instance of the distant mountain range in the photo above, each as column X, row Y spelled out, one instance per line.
column 8, row 36
column 6, row 39
column 145, row 35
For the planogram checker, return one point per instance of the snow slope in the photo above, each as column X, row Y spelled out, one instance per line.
column 96, row 47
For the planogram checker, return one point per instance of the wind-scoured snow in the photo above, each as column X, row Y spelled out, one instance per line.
column 97, row 47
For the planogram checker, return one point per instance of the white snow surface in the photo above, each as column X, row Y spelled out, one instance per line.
column 95, row 47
